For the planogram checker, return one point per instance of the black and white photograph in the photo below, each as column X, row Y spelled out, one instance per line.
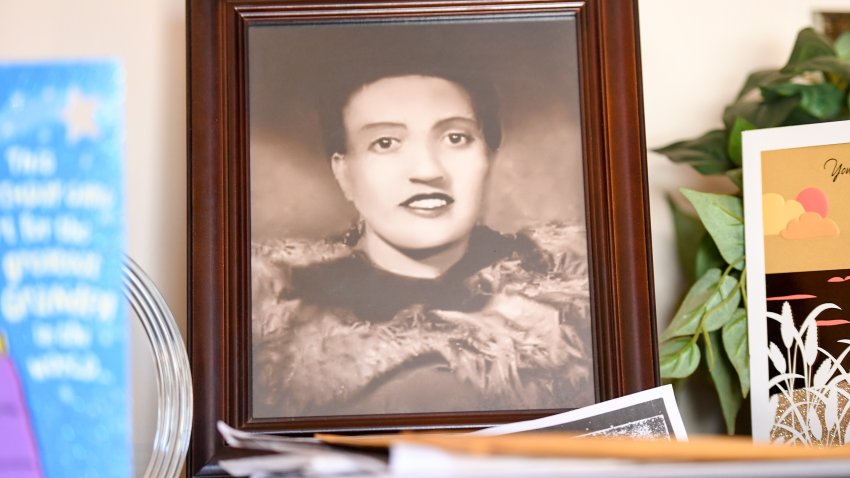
column 649, row 414
column 418, row 231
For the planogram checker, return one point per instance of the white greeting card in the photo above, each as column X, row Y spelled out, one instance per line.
column 797, row 208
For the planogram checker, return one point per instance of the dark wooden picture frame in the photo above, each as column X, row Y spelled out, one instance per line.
column 220, row 296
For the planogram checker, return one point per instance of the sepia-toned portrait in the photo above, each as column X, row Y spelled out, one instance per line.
column 418, row 226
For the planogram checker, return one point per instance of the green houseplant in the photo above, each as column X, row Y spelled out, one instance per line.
column 709, row 329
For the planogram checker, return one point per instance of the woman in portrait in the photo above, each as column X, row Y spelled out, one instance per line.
column 419, row 307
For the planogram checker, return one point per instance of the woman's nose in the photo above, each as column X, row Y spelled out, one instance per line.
column 426, row 166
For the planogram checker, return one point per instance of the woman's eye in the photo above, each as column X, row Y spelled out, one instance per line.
column 384, row 144
column 458, row 139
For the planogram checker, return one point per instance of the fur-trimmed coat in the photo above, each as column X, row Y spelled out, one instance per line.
column 506, row 328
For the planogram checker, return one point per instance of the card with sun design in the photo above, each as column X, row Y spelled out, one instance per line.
column 797, row 193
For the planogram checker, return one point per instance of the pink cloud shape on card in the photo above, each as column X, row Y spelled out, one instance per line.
column 810, row 225
column 839, row 279
column 793, row 297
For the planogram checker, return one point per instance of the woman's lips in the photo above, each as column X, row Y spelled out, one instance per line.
column 428, row 202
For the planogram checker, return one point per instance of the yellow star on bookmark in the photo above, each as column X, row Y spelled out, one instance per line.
column 79, row 116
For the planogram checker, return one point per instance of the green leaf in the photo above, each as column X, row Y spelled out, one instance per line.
column 737, row 177
column 809, row 44
column 761, row 78
column 706, row 154
column 689, row 233
column 842, row 46
column 735, row 342
column 734, row 145
column 679, row 357
column 708, row 257
column 721, row 306
column 761, row 114
column 706, row 293
column 823, row 101
column 722, row 373
column 723, row 217
column 799, row 116
column 827, row 64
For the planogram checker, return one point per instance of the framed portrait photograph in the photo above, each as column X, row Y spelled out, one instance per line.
column 798, row 282
column 414, row 215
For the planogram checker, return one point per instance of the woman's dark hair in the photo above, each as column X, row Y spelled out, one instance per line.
column 337, row 93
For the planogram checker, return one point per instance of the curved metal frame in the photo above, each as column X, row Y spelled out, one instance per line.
column 174, row 380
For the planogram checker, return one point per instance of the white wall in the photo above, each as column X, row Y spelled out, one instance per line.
column 695, row 56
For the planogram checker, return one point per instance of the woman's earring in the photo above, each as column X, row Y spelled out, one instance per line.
column 354, row 233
